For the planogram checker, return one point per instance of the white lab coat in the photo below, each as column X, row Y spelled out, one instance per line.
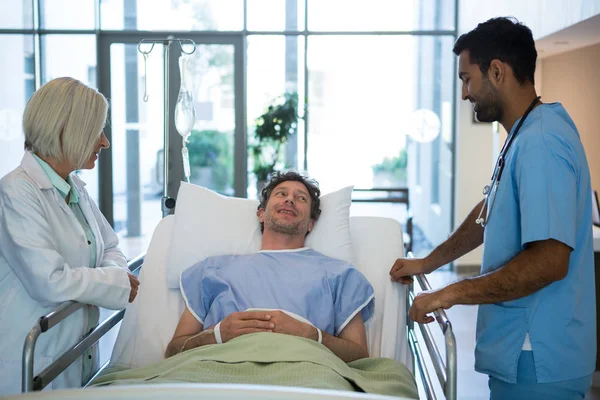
column 44, row 257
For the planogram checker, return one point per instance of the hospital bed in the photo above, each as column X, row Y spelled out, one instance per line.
column 376, row 242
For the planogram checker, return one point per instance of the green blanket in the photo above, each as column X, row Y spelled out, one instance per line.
column 273, row 359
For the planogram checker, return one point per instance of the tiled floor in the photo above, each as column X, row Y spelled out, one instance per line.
column 472, row 385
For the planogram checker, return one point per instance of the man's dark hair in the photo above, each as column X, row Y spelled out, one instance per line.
column 279, row 177
column 504, row 39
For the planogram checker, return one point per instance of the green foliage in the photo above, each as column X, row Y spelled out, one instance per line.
column 272, row 130
column 210, row 148
column 395, row 166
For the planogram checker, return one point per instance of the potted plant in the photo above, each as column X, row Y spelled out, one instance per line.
column 211, row 159
column 391, row 172
column 272, row 130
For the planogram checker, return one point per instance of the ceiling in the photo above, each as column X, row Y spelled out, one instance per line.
column 582, row 34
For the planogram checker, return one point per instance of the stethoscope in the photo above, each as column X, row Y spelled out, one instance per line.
column 492, row 188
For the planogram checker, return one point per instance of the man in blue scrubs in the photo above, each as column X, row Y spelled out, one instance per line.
column 536, row 327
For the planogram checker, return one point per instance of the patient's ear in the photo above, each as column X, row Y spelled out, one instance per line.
column 311, row 224
column 261, row 215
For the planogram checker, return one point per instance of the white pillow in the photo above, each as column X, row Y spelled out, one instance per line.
column 208, row 224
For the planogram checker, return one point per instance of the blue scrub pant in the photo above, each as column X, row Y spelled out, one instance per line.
column 527, row 387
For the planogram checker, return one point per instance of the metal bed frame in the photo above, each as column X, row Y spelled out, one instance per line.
column 30, row 383
column 446, row 371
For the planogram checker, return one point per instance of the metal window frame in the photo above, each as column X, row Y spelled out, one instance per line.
column 241, row 175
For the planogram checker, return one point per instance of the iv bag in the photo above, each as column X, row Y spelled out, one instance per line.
column 185, row 114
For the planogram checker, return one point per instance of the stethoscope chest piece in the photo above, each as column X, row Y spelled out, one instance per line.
column 497, row 174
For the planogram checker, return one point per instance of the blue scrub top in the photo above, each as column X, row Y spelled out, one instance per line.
column 544, row 193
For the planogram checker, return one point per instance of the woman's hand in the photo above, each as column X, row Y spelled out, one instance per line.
column 134, row 283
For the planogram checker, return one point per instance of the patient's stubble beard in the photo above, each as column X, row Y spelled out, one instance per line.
column 291, row 229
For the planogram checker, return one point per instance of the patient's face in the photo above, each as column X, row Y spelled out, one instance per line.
column 288, row 210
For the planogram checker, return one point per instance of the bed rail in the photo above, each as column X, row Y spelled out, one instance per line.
column 30, row 383
column 445, row 371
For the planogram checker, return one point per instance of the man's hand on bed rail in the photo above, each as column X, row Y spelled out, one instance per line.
column 427, row 302
column 134, row 283
column 405, row 268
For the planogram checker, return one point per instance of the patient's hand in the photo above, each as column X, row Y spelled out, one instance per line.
column 291, row 326
column 242, row 323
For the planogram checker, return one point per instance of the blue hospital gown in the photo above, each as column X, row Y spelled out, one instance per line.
column 326, row 291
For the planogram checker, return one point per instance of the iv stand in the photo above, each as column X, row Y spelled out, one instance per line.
column 167, row 203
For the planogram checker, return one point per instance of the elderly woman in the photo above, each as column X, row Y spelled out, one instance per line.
column 55, row 245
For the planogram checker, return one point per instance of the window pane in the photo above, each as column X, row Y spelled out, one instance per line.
column 365, row 115
column 211, row 146
column 177, row 15
column 275, row 65
column 16, row 14
column 59, row 59
column 380, row 15
column 372, row 122
column 67, row 14
column 17, row 50
column 275, row 15
column 374, row 116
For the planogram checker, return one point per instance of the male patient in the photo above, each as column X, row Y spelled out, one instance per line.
column 284, row 275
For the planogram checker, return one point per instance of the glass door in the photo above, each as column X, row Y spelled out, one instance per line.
column 131, row 173
column 130, row 177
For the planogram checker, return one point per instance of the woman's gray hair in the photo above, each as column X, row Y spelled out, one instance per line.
column 64, row 120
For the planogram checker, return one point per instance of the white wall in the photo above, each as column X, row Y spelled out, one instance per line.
column 542, row 16
column 476, row 144
column 572, row 79
column 474, row 163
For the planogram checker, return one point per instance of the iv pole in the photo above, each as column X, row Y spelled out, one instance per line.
column 167, row 203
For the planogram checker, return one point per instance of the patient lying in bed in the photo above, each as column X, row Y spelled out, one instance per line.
column 287, row 315
column 335, row 297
